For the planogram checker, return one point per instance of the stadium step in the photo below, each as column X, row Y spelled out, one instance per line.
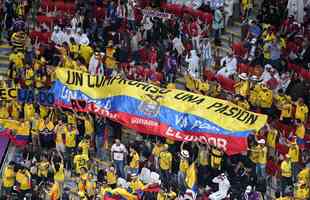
column 5, row 50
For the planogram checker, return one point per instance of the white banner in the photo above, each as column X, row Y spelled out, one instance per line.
column 154, row 13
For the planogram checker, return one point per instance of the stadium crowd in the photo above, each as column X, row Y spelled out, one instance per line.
column 75, row 155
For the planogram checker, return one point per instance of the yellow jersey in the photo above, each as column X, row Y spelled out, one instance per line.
column 265, row 98
column 43, row 167
column 55, row 191
column 301, row 112
column 300, row 131
column 70, row 136
column 111, row 177
column 60, row 174
column 302, row 193
column 8, row 177
column 84, row 145
column 80, row 161
column 183, row 165
column 304, row 175
column 23, row 178
column 286, row 168
column 294, row 153
column 86, row 52
column 136, row 185
column 165, row 160
column 242, row 88
column 135, row 160
column 4, row 113
column 89, row 126
column 59, row 130
column 286, row 110
column 23, row 129
column 272, row 138
column 28, row 111
column 262, row 159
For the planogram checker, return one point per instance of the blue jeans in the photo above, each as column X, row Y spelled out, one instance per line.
column 99, row 147
column 119, row 165
column 261, row 170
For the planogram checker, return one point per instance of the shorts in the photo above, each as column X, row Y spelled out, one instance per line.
column 60, row 148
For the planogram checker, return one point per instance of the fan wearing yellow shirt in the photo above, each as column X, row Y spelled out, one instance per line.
column 35, row 123
column 135, row 184
column 59, row 174
column 23, row 180
column 46, row 129
column 183, row 166
column 135, row 161
column 4, row 113
column 166, row 195
column 59, row 131
column 302, row 191
column 294, row 154
column 44, row 111
column 300, row 130
column 286, row 173
column 265, row 99
column 272, row 138
column 301, row 110
column 8, row 179
column 254, row 94
column 165, row 163
column 29, row 111
column 242, row 102
column 17, row 58
column 304, row 175
column 54, row 192
column 86, row 52
column 262, row 153
column 73, row 48
column 43, row 167
column 111, row 177
column 216, row 158
column 80, row 161
column 155, row 152
column 15, row 109
column 23, row 131
column 110, row 61
column 89, row 125
column 85, row 145
column 286, row 111
column 242, row 87
column 29, row 76
column 70, row 143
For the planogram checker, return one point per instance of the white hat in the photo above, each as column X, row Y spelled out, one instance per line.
column 254, row 78
column 268, row 66
column 261, row 141
column 248, row 189
column 185, row 154
column 243, row 76
column 84, row 41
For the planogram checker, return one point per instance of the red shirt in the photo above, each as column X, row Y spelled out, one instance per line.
column 193, row 29
column 153, row 56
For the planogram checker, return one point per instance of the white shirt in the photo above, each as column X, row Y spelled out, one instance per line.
column 118, row 152
column 58, row 37
column 230, row 67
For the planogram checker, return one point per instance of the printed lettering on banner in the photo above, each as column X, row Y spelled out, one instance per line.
column 8, row 93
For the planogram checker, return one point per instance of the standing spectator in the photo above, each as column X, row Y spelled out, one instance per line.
column 286, row 173
column 218, row 24
column 206, row 52
column 165, row 164
column 296, row 8
column 118, row 155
